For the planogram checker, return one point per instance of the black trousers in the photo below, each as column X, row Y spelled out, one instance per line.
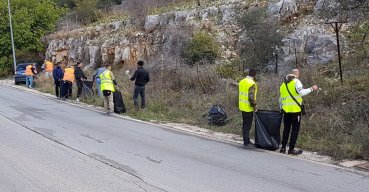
column 291, row 120
column 58, row 88
column 67, row 89
column 139, row 90
column 246, row 126
column 79, row 90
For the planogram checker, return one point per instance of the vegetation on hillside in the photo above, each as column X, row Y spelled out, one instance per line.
column 31, row 21
column 338, row 115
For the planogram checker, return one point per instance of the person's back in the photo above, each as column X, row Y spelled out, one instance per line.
column 141, row 78
column 49, row 66
column 96, row 77
column 69, row 75
column 58, row 73
column 107, row 87
column 58, row 76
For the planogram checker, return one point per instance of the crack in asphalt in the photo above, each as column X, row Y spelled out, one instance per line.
column 108, row 162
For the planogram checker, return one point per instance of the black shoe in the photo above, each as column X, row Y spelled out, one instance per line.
column 294, row 152
column 249, row 146
column 283, row 150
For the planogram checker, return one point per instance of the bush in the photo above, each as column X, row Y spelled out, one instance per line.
column 87, row 11
column 230, row 70
column 202, row 47
column 260, row 38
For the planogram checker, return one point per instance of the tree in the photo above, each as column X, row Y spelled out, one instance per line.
column 87, row 11
column 261, row 35
column 201, row 47
column 66, row 3
column 31, row 21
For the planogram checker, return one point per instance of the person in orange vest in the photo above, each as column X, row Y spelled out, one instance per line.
column 30, row 72
column 68, row 80
column 48, row 68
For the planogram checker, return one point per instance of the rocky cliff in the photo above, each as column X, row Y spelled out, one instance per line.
column 161, row 37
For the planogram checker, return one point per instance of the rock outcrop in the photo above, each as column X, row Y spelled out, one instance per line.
column 161, row 38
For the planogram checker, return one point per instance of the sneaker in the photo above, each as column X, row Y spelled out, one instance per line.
column 294, row 152
column 77, row 99
column 283, row 150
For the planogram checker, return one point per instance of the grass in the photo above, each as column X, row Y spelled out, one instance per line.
column 336, row 123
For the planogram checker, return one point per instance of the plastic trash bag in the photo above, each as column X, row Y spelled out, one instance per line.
column 87, row 89
column 267, row 129
column 217, row 115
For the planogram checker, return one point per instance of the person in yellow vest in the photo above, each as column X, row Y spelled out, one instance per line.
column 247, row 101
column 107, row 87
column 68, row 80
column 291, row 92
column 48, row 67
column 30, row 72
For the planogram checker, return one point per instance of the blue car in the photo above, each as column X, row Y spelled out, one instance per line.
column 20, row 73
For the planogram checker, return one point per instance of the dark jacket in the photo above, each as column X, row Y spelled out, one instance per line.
column 141, row 77
column 79, row 74
column 58, row 73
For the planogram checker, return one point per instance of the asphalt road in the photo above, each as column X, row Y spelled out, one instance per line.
column 49, row 145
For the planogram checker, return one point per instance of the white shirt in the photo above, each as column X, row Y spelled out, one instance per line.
column 300, row 89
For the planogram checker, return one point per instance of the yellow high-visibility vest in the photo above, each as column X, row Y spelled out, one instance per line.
column 69, row 74
column 29, row 70
column 49, row 66
column 243, row 97
column 106, row 81
column 288, row 104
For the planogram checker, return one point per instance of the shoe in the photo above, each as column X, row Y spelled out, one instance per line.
column 294, row 152
column 249, row 146
column 77, row 99
column 283, row 150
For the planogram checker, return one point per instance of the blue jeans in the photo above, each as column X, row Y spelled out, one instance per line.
column 29, row 81
column 139, row 90
column 98, row 84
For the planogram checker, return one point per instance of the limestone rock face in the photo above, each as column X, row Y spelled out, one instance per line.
column 151, row 23
column 309, row 44
column 283, row 8
column 161, row 38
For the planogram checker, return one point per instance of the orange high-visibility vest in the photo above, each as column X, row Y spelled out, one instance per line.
column 69, row 74
column 29, row 70
column 49, row 66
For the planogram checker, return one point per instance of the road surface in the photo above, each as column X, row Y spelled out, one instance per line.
column 49, row 145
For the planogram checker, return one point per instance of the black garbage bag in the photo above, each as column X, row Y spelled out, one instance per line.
column 119, row 106
column 267, row 129
column 87, row 89
column 217, row 115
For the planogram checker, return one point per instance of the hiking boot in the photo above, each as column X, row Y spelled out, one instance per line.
column 294, row 152
column 283, row 150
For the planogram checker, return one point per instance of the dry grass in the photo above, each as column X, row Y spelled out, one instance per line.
column 336, row 123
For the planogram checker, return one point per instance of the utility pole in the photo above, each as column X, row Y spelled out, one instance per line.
column 337, row 25
column 12, row 38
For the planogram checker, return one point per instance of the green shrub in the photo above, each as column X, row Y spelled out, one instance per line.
column 87, row 11
column 230, row 70
column 202, row 47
